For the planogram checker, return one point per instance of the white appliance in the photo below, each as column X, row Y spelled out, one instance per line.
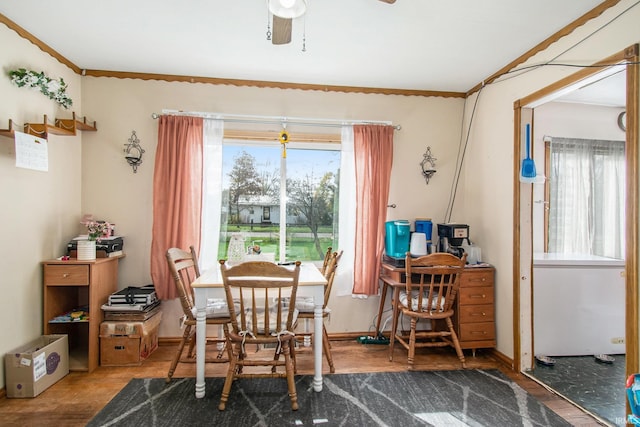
column 578, row 305
column 418, row 246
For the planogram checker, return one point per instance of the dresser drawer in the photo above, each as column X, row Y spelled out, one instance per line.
column 476, row 295
column 482, row 277
column 475, row 313
column 477, row 331
column 65, row 275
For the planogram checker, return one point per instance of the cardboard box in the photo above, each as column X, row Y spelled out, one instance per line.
column 34, row 367
column 128, row 343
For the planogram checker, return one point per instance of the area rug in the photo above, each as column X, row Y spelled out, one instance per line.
column 434, row 398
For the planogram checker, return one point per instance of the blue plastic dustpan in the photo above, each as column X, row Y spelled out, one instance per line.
column 528, row 169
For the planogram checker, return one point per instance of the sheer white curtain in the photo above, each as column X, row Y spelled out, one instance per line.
column 343, row 281
column 211, row 192
column 587, row 188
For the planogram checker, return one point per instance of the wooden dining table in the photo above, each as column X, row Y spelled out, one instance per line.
column 209, row 285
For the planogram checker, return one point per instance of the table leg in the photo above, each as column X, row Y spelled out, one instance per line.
column 394, row 320
column 317, row 345
column 201, row 342
column 383, row 298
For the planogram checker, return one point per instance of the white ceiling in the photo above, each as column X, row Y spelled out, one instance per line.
column 412, row 44
column 610, row 91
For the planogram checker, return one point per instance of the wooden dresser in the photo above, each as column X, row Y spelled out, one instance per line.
column 474, row 318
column 72, row 285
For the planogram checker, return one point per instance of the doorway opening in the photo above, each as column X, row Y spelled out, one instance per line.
column 527, row 215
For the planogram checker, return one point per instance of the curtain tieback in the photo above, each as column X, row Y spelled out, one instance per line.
column 244, row 334
column 279, row 335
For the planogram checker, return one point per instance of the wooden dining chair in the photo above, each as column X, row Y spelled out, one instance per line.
column 184, row 269
column 432, row 284
column 325, row 262
column 306, row 306
column 261, row 300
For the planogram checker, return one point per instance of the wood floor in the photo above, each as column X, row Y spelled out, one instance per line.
column 75, row 399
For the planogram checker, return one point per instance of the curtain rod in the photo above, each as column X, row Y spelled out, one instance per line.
column 302, row 121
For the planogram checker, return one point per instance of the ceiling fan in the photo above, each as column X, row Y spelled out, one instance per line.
column 284, row 11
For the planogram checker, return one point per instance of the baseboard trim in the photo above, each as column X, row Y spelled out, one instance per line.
column 503, row 359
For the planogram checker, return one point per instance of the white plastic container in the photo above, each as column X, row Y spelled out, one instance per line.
column 418, row 245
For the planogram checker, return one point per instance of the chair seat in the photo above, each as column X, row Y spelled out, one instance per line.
column 216, row 308
column 273, row 320
column 404, row 300
column 306, row 305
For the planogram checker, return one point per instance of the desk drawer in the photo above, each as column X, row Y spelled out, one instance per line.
column 65, row 275
column 475, row 313
column 477, row 331
column 482, row 277
column 476, row 295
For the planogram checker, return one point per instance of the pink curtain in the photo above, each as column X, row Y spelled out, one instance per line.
column 373, row 152
column 177, row 195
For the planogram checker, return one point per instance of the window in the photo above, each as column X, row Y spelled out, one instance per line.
column 586, row 197
column 287, row 206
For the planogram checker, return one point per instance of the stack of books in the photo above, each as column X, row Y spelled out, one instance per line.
column 132, row 304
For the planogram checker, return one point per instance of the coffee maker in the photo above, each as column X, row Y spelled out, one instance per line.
column 451, row 237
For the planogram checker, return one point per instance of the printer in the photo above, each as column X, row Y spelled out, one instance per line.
column 106, row 247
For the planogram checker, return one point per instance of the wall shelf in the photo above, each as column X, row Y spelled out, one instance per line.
column 65, row 127
column 76, row 124
column 9, row 132
column 41, row 130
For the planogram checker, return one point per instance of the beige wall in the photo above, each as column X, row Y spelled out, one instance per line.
column 113, row 192
column 487, row 186
column 40, row 210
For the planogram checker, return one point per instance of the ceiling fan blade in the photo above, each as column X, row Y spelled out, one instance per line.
column 281, row 30
column 388, row 1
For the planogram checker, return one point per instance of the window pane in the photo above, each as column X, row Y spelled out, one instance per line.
column 312, row 203
column 251, row 202
column 250, row 197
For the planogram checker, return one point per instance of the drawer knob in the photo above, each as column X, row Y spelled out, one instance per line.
column 65, row 275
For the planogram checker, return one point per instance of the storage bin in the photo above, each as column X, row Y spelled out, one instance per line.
column 34, row 367
column 128, row 343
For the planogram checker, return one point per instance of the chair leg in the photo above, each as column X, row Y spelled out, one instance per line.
column 176, row 358
column 412, row 343
column 394, row 326
column 192, row 347
column 226, row 389
column 291, row 381
column 327, row 349
column 292, row 352
column 456, row 343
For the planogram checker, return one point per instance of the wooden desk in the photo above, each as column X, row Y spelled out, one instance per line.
column 474, row 318
column 69, row 285
column 311, row 283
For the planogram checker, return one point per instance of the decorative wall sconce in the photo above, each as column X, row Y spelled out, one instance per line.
column 428, row 165
column 133, row 151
